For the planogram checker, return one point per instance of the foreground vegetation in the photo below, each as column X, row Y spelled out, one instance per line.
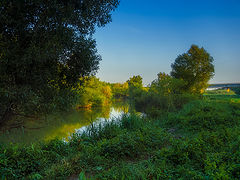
column 199, row 141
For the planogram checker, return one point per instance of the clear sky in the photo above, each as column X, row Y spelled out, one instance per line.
column 146, row 36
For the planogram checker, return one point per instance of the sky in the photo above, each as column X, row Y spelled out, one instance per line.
column 146, row 36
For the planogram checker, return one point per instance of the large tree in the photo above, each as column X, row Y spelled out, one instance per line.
column 48, row 43
column 194, row 67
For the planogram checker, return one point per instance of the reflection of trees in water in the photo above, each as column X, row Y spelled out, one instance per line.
column 120, row 105
column 85, row 117
column 93, row 114
column 77, row 120
column 61, row 125
column 106, row 112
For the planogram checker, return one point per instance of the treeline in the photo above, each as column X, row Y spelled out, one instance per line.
column 187, row 81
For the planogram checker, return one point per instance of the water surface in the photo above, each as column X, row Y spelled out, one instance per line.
column 62, row 125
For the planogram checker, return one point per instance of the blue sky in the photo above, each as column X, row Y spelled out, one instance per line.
column 146, row 36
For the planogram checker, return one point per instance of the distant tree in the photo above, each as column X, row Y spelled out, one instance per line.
column 47, row 43
column 120, row 90
column 135, row 81
column 194, row 67
column 135, row 86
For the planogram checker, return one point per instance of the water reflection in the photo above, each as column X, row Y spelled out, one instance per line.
column 59, row 125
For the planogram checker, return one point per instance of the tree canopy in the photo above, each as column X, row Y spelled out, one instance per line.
column 48, row 43
column 166, row 85
column 135, row 81
column 47, row 40
column 135, row 86
column 194, row 67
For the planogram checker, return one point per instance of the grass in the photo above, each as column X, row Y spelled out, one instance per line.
column 201, row 141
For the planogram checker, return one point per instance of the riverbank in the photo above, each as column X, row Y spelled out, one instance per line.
column 200, row 141
column 27, row 130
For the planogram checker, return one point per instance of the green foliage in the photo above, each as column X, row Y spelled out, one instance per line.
column 92, row 92
column 42, row 37
column 164, row 94
column 45, row 47
column 120, row 90
column 165, row 85
column 195, row 68
column 201, row 141
column 135, row 81
column 135, row 86
column 207, row 115
column 29, row 161
column 82, row 176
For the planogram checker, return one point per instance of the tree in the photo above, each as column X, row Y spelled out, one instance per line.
column 120, row 90
column 135, row 81
column 194, row 67
column 135, row 86
column 48, row 43
column 166, row 85
column 93, row 93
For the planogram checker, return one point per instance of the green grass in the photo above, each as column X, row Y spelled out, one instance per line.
column 200, row 141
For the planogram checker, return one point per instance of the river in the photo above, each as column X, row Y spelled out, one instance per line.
column 61, row 125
